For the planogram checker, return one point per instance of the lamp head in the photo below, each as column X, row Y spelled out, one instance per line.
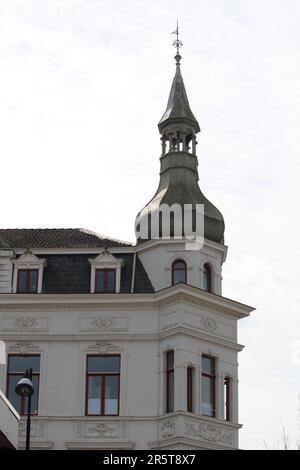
column 24, row 387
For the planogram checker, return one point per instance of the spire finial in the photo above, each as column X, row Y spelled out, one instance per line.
column 177, row 43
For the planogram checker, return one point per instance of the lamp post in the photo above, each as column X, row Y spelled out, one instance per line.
column 25, row 388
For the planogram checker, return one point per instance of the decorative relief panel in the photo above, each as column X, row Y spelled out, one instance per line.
column 211, row 433
column 25, row 323
column 23, row 347
column 167, row 429
column 209, row 324
column 103, row 347
column 189, row 319
column 37, row 428
column 103, row 323
column 204, row 322
column 100, row 429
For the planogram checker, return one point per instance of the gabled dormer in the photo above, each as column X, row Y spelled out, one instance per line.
column 28, row 274
column 105, row 273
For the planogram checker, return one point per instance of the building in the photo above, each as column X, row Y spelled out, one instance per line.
column 131, row 346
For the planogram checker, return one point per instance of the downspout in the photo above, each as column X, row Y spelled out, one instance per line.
column 133, row 273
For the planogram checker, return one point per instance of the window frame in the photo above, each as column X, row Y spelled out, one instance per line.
column 212, row 377
column 101, row 374
column 170, row 375
column 105, row 277
column 179, row 260
column 23, row 408
column 27, row 271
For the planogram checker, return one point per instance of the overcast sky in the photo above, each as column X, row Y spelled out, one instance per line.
column 83, row 86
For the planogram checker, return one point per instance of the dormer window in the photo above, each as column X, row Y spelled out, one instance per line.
column 105, row 273
column 27, row 281
column 28, row 274
column 105, row 280
column 179, row 272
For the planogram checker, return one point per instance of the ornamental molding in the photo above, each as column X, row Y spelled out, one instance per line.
column 154, row 304
column 103, row 323
column 25, row 324
column 23, row 347
column 100, row 429
column 167, row 429
column 81, row 306
column 38, row 428
column 209, row 324
column 103, row 430
column 211, row 433
column 165, row 335
column 103, row 347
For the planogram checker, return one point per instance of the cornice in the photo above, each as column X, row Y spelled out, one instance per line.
column 111, row 337
column 89, row 302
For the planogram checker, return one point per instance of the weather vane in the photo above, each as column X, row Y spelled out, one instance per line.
column 177, row 43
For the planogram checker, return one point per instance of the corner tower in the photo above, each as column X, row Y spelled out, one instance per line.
column 179, row 164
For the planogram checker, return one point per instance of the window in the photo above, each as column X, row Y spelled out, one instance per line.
column 207, row 278
column 16, row 367
column 170, row 381
column 179, row 272
column 189, row 391
column 227, row 391
column 27, row 281
column 102, row 385
column 28, row 273
column 208, row 386
column 105, row 280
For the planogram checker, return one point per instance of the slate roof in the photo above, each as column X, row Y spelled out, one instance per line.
column 178, row 108
column 55, row 238
column 3, row 243
column 71, row 274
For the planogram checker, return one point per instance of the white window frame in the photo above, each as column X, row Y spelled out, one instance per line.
column 106, row 260
column 28, row 260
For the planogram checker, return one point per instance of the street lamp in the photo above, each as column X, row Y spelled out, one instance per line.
column 25, row 388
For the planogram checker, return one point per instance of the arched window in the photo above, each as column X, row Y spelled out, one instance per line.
column 207, row 278
column 179, row 272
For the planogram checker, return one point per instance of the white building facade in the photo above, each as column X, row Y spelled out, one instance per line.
column 131, row 346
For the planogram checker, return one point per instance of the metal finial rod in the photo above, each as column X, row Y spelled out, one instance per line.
column 177, row 43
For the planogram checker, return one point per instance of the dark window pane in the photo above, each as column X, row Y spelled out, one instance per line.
column 205, row 281
column 22, row 363
column 207, row 278
column 208, row 365
column 207, row 396
column 22, row 281
column 111, row 275
column 35, row 396
column 170, row 392
column 170, row 360
column 99, row 281
column 179, row 272
column 179, row 276
column 11, row 394
column 111, row 395
column 103, row 364
column 190, row 373
column 180, row 265
column 94, row 395
column 227, row 382
column 33, row 277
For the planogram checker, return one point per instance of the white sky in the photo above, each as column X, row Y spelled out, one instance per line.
column 83, row 86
